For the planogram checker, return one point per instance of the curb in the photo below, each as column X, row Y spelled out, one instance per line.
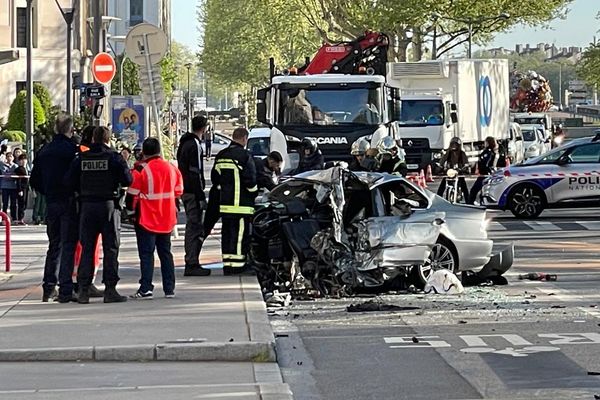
column 258, row 352
column 259, row 327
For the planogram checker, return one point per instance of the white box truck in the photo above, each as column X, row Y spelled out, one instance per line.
column 447, row 98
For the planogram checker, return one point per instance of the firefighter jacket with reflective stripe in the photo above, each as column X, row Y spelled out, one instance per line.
column 234, row 173
column 156, row 186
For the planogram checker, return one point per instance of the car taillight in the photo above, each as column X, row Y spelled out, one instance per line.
column 506, row 173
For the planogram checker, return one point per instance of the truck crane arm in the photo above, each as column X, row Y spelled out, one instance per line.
column 368, row 51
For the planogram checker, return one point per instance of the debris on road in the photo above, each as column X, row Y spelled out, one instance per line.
column 538, row 276
column 277, row 299
column 443, row 281
column 371, row 306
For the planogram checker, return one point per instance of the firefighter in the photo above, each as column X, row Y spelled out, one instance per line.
column 362, row 158
column 97, row 175
column 311, row 157
column 234, row 173
column 391, row 157
column 191, row 164
column 156, row 185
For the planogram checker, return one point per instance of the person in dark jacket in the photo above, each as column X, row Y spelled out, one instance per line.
column 234, row 173
column 49, row 168
column 391, row 157
column 488, row 159
column 98, row 176
column 311, row 158
column 22, row 189
column 455, row 158
column 191, row 165
column 267, row 170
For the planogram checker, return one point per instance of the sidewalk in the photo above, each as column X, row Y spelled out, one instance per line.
column 214, row 318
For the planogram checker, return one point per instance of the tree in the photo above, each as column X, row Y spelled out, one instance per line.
column 41, row 92
column 589, row 66
column 16, row 113
column 131, row 80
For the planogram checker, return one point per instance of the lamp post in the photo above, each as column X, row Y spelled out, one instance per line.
column 29, row 103
column 470, row 22
column 189, row 98
column 68, row 14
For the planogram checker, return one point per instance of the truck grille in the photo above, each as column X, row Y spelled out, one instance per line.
column 418, row 69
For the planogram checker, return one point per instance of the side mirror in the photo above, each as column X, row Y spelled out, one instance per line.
column 453, row 113
column 261, row 105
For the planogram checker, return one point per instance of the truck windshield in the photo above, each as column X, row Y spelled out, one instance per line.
column 330, row 106
column 421, row 112
column 531, row 121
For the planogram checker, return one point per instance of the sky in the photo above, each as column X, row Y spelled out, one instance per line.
column 578, row 29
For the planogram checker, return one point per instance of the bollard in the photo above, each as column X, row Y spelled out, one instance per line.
column 6, row 220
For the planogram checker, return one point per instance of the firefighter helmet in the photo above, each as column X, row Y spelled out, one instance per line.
column 360, row 147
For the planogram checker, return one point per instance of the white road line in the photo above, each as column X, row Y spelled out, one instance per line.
column 497, row 226
column 590, row 225
column 542, row 226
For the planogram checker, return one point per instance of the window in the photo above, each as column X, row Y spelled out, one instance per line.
column 421, row 112
column 394, row 192
column 21, row 27
column 136, row 12
column 329, row 105
column 259, row 146
column 21, row 85
column 585, row 154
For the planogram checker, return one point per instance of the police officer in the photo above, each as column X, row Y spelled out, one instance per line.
column 391, row 157
column 191, row 166
column 362, row 161
column 234, row 173
column 97, row 175
column 49, row 168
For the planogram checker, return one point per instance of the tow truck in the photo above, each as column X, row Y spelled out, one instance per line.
column 335, row 99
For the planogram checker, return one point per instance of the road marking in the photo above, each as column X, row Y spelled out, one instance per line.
column 477, row 341
column 510, row 351
column 542, row 226
column 589, row 225
column 409, row 342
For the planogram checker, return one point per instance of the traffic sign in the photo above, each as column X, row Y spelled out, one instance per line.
column 177, row 107
column 104, row 68
column 135, row 44
column 95, row 91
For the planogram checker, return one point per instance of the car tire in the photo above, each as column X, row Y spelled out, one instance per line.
column 526, row 201
column 443, row 256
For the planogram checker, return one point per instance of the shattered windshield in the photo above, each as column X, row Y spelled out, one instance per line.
column 338, row 105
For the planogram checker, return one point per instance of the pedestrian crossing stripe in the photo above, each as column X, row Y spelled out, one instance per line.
column 545, row 226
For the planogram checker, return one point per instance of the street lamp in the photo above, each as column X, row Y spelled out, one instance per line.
column 68, row 13
column 470, row 22
column 189, row 67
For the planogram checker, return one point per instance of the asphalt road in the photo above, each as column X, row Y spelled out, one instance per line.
column 540, row 338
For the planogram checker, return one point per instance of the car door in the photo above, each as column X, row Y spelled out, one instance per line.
column 581, row 171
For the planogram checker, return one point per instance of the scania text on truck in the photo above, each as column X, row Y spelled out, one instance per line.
column 335, row 99
column 447, row 98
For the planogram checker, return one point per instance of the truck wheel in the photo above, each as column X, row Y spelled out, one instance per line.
column 442, row 256
column 526, row 201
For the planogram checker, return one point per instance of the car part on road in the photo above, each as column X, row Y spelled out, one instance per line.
column 443, row 281
column 371, row 306
column 538, row 276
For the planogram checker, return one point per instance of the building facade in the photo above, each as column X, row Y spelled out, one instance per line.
column 133, row 12
column 49, row 49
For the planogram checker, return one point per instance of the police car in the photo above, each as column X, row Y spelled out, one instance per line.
column 566, row 177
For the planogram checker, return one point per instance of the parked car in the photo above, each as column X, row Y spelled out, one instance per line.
column 220, row 141
column 515, row 146
column 338, row 229
column 259, row 142
column 533, row 141
column 566, row 177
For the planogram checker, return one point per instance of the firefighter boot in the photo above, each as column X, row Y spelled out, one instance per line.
column 112, row 296
column 83, row 295
column 196, row 270
column 95, row 292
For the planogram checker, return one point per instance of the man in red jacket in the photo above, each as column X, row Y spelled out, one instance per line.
column 156, row 186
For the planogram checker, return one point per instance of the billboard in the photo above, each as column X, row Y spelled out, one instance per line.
column 129, row 119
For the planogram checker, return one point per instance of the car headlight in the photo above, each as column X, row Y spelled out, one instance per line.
column 494, row 180
column 533, row 148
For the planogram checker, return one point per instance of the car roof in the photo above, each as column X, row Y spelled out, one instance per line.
column 371, row 179
column 259, row 133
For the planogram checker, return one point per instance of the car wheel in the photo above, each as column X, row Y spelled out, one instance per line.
column 526, row 201
column 442, row 256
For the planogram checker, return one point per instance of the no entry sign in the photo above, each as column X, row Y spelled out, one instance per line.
column 104, row 68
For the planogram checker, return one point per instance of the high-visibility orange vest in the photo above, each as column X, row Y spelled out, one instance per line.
column 156, row 187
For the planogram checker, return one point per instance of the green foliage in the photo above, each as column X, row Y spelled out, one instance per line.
column 589, row 66
column 16, row 113
column 41, row 92
column 13, row 136
column 167, row 146
column 46, row 131
column 131, row 80
column 168, row 75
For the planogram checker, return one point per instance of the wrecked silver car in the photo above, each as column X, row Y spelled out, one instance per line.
column 340, row 232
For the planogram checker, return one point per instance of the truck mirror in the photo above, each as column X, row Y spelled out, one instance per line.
column 454, row 117
column 261, row 105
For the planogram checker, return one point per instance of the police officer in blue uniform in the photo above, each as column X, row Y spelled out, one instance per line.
column 97, row 175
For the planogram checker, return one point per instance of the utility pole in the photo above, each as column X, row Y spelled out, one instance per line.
column 29, row 124
column 68, row 15
column 97, row 11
